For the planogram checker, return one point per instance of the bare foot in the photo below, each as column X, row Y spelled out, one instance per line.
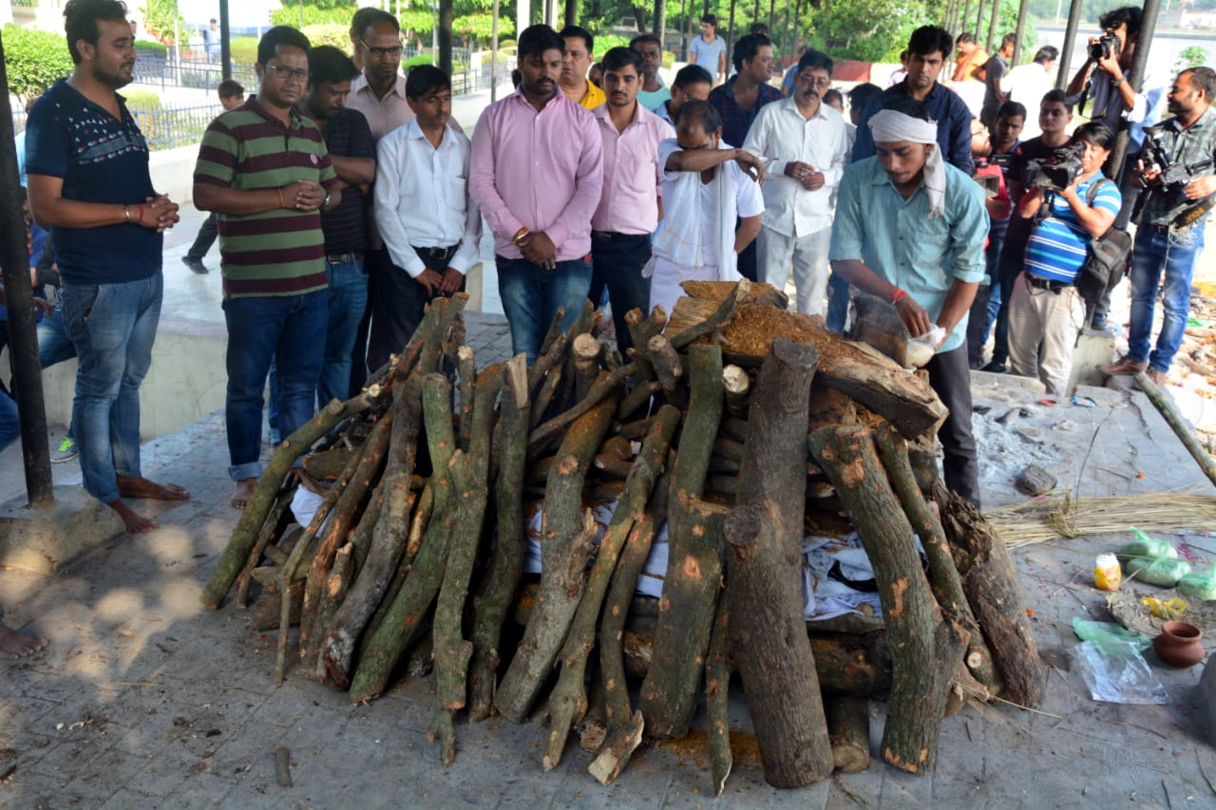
column 143, row 488
column 136, row 524
column 244, row 491
column 19, row 645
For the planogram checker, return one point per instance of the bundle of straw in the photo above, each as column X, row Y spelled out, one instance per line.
column 1052, row 517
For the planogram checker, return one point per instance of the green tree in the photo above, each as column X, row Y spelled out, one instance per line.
column 34, row 60
column 1191, row 57
column 162, row 19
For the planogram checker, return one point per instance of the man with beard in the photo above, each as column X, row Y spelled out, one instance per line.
column 87, row 169
column 349, row 143
column 536, row 172
column 629, row 208
column 928, row 49
column 810, row 145
column 910, row 229
column 1169, row 239
column 265, row 170
column 652, row 93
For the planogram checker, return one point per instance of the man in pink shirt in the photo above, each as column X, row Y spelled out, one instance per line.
column 629, row 209
column 536, row 171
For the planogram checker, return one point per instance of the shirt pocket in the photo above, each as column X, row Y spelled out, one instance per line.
column 636, row 173
column 454, row 193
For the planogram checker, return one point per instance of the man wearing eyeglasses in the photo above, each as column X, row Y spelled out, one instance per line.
column 808, row 143
column 265, row 170
column 379, row 93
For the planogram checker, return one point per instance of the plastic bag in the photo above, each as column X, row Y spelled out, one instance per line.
column 1145, row 546
column 1199, row 585
column 1110, row 637
column 1122, row 677
column 1165, row 573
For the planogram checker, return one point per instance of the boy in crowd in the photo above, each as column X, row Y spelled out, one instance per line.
column 232, row 95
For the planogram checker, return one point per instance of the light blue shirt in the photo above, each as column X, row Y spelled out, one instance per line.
column 896, row 239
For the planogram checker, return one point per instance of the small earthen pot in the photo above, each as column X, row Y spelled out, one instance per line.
column 1180, row 644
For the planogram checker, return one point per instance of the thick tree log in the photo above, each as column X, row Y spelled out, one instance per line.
column 245, row 535
column 586, row 354
column 737, row 386
column 566, row 545
column 768, row 636
column 403, row 619
column 469, row 474
column 924, row 648
column 361, row 537
column 716, row 320
column 717, row 698
column 275, row 523
column 1178, row 425
column 943, row 575
column 666, row 363
column 608, row 384
column 618, row 748
column 568, row 701
column 991, row 585
column 849, row 731
column 337, row 585
column 694, row 562
column 510, row 445
column 770, row 649
column 267, row 611
column 341, row 522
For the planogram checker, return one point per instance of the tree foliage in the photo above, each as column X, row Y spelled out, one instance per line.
column 162, row 19
column 333, row 34
column 34, row 60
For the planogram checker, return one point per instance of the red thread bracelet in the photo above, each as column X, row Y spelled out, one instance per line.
column 140, row 216
column 898, row 296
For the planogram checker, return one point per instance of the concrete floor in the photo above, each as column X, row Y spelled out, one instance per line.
column 145, row 699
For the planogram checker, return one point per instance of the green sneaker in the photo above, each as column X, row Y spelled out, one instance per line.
column 66, row 452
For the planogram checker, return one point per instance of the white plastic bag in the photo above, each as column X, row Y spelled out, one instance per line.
column 1116, row 672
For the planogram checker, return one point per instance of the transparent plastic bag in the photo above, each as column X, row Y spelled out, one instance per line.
column 1145, row 546
column 1110, row 637
column 1116, row 675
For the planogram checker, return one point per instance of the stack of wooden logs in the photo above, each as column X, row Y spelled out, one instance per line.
column 740, row 426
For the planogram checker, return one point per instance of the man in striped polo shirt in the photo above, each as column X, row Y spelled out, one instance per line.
column 265, row 170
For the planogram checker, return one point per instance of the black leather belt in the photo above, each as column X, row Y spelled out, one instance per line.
column 1161, row 228
column 344, row 258
column 1046, row 284
column 613, row 236
column 438, row 253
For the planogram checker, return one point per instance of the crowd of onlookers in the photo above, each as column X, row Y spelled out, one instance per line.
column 345, row 197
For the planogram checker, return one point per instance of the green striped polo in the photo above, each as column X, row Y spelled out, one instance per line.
column 278, row 252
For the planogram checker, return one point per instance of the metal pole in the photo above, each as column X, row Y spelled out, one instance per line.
column 445, row 36
column 996, row 12
column 730, row 42
column 494, row 56
column 1020, row 32
column 1070, row 39
column 23, row 340
column 1135, row 77
column 225, row 42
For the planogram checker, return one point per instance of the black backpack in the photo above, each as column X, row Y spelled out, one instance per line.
column 1107, row 259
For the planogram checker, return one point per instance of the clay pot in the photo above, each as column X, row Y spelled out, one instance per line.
column 1180, row 644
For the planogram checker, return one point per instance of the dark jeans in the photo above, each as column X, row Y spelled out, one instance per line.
column 397, row 304
column 290, row 329
column 838, row 303
column 531, row 295
column 1009, row 267
column 372, row 259
column 951, row 379
column 205, row 239
column 747, row 264
column 986, row 304
column 617, row 261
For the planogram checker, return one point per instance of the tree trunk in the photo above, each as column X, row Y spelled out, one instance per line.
column 566, row 544
column 991, row 585
column 764, row 584
column 923, row 648
column 717, row 698
column 849, row 731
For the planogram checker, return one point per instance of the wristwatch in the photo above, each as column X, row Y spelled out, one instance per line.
column 325, row 202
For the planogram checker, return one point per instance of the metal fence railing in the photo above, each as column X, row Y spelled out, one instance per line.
column 172, row 127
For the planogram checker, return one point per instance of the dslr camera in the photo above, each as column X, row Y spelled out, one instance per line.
column 1174, row 175
column 1057, row 172
column 1107, row 47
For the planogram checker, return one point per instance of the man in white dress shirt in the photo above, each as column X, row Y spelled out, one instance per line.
column 808, row 143
column 430, row 225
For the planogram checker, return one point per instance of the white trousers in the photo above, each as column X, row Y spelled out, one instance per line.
column 665, row 284
column 1053, row 319
column 808, row 255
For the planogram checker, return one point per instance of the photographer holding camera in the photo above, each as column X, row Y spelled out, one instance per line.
column 1072, row 203
column 1169, row 238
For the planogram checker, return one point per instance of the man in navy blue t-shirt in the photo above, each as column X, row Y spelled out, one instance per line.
column 87, row 168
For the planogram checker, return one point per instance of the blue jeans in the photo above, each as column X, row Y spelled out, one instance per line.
column 54, row 346
column 10, row 426
column 113, row 327
column 347, row 300
column 1175, row 254
column 289, row 329
column 531, row 295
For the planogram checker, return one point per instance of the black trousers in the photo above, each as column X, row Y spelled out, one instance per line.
column 616, row 265
column 950, row 376
column 397, row 303
column 205, row 239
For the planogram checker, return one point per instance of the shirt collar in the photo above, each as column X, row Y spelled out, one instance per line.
column 415, row 133
column 601, row 112
column 558, row 97
column 1205, row 120
column 253, row 105
column 361, row 86
column 792, row 106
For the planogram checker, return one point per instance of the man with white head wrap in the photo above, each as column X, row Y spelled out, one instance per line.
column 910, row 229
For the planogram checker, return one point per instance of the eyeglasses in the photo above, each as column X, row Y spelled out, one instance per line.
column 285, row 73
column 819, row 81
column 381, row 53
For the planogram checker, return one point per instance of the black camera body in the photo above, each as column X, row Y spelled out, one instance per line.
column 1059, row 171
column 1174, row 175
column 1107, row 47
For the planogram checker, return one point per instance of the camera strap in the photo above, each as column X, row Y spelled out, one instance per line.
column 1190, row 215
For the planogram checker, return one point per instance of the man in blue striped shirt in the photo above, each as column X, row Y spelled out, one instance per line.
column 1045, row 307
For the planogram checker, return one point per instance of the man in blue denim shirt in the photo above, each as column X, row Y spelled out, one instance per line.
column 910, row 229
column 1169, row 238
column 87, row 168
